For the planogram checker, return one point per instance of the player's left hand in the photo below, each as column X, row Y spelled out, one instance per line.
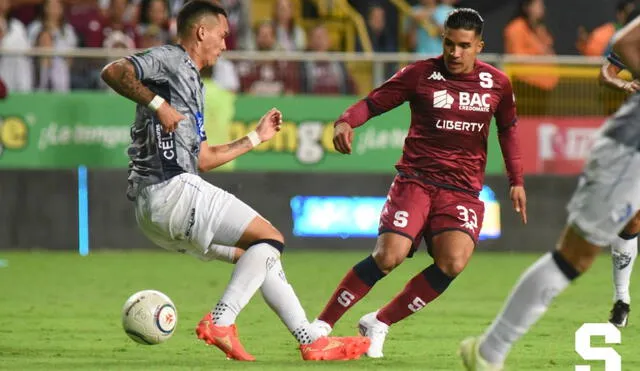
column 269, row 124
column 519, row 200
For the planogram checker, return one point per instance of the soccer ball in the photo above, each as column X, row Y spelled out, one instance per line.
column 149, row 317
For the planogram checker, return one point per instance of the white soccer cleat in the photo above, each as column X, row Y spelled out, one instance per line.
column 376, row 331
column 471, row 358
column 321, row 327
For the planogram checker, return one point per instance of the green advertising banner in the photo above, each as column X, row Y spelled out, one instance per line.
column 45, row 130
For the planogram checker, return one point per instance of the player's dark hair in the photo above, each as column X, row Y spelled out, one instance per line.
column 193, row 10
column 622, row 5
column 466, row 19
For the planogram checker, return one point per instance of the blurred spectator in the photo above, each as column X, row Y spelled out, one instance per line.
column 324, row 77
column 118, row 40
column 239, row 27
column 24, row 10
column 289, row 35
column 51, row 18
column 433, row 13
column 50, row 30
column 131, row 13
column 16, row 71
column 153, row 26
column 114, row 20
column 274, row 77
column 596, row 42
column 381, row 38
column 52, row 73
column 527, row 34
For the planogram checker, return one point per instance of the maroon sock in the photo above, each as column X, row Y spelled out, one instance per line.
column 419, row 291
column 353, row 287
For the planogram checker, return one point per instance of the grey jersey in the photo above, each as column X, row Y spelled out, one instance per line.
column 624, row 125
column 157, row 156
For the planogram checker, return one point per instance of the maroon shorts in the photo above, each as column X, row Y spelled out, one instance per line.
column 420, row 210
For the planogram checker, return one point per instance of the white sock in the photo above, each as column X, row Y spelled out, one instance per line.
column 526, row 304
column 623, row 255
column 247, row 277
column 279, row 294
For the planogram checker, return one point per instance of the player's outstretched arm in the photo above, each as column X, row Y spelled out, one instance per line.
column 211, row 157
column 609, row 77
column 392, row 93
column 120, row 75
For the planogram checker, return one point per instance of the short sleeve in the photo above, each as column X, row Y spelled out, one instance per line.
column 506, row 111
column 150, row 64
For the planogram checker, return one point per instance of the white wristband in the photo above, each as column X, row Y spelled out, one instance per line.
column 254, row 138
column 155, row 103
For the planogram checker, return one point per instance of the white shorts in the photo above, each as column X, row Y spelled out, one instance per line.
column 608, row 193
column 189, row 215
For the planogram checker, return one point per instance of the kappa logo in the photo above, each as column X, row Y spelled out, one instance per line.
column 436, row 76
column 442, row 99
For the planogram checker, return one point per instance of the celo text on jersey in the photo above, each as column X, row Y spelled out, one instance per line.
column 459, row 125
column 166, row 143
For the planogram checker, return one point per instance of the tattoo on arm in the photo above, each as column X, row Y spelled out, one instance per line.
column 121, row 77
column 243, row 142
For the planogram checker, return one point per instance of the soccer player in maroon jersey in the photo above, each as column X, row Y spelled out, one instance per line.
column 440, row 174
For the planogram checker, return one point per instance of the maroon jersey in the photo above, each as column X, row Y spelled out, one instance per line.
column 450, row 116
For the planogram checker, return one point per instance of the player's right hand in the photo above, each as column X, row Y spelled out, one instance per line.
column 342, row 138
column 631, row 86
column 169, row 117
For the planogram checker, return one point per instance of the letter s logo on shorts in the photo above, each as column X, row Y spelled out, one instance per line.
column 400, row 219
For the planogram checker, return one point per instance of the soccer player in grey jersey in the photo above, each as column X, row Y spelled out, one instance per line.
column 604, row 202
column 624, row 249
column 179, row 211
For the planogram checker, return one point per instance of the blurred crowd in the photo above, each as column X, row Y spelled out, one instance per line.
column 132, row 24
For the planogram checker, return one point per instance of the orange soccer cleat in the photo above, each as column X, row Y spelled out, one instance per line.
column 335, row 348
column 223, row 337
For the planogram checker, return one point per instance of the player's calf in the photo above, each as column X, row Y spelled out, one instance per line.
column 391, row 248
column 353, row 287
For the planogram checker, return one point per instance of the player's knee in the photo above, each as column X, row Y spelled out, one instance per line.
column 387, row 259
column 276, row 235
column 633, row 227
column 452, row 267
column 577, row 251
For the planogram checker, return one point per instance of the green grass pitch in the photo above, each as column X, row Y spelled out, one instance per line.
column 62, row 311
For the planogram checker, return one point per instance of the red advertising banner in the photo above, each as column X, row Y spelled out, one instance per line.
column 556, row 145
